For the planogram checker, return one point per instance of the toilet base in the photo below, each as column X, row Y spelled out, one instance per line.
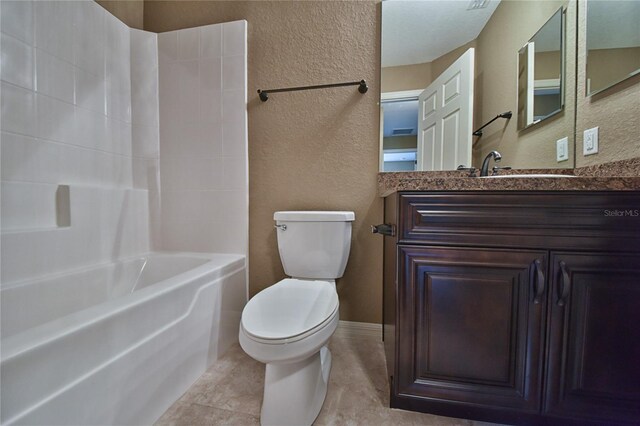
column 294, row 393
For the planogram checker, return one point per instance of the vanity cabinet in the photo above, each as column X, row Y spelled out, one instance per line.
column 516, row 307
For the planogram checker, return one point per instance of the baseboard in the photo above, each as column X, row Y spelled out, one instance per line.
column 352, row 329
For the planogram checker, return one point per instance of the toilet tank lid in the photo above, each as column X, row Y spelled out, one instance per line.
column 315, row 216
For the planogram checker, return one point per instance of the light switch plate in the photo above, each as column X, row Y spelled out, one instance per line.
column 590, row 141
column 562, row 149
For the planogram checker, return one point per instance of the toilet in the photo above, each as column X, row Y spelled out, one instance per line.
column 287, row 326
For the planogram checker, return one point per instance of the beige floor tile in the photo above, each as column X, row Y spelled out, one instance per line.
column 185, row 414
column 237, row 386
column 230, row 392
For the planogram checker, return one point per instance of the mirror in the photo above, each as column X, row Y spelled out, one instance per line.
column 422, row 40
column 612, row 56
column 540, row 74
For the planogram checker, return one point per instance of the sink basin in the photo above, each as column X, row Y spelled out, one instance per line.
column 527, row 176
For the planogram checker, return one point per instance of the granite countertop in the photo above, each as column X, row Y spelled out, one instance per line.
column 615, row 176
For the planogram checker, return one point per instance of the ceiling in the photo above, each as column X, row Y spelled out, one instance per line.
column 415, row 32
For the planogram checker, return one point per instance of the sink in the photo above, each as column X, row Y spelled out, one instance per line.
column 527, row 176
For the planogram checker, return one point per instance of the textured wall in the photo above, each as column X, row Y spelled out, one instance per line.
column 313, row 149
column 128, row 11
column 511, row 26
column 615, row 111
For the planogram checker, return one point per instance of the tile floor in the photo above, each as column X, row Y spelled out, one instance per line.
column 230, row 392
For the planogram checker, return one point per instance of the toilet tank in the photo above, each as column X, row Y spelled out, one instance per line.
column 314, row 244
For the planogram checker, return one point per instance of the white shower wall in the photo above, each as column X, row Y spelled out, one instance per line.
column 203, row 138
column 81, row 106
column 66, row 120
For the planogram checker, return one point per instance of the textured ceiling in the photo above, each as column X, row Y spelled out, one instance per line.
column 414, row 32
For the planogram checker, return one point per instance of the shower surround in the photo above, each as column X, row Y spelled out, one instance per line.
column 117, row 143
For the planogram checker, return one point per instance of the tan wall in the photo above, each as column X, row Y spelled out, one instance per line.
column 405, row 77
column 511, row 26
column 128, row 11
column 419, row 76
column 313, row 149
column 400, row 142
column 438, row 66
column 611, row 65
column 546, row 65
column 615, row 111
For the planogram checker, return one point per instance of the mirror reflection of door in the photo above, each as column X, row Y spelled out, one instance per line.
column 446, row 117
column 430, row 131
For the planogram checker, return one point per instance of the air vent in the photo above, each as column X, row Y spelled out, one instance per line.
column 401, row 132
column 478, row 4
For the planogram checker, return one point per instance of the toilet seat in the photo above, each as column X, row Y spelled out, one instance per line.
column 290, row 310
column 292, row 339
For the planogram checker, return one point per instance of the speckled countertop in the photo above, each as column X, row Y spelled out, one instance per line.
column 615, row 176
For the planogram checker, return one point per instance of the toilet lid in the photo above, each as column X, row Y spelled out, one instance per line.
column 289, row 308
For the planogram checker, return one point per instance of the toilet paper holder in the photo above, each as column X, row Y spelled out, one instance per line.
column 384, row 229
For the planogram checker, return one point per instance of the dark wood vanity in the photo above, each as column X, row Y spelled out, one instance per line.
column 514, row 307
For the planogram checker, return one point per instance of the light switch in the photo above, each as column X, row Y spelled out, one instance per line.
column 590, row 141
column 562, row 149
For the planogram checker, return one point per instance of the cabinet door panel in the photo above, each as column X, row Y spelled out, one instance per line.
column 462, row 346
column 594, row 340
column 469, row 329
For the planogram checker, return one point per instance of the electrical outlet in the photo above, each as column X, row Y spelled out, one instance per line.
column 590, row 141
column 562, row 149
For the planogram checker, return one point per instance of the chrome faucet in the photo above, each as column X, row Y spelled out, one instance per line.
column 485, row 164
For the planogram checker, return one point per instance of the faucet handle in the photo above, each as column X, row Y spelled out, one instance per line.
column 496, row 169
column 471, row 170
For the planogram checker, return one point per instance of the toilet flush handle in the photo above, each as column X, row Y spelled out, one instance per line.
column 282, row 227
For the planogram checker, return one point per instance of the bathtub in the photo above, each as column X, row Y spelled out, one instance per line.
column 116, row 343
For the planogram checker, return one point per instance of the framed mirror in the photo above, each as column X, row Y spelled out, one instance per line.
column 613, row 43
column 541, row 73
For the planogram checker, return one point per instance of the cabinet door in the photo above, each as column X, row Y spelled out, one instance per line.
column 470, row 326
column 594, row 337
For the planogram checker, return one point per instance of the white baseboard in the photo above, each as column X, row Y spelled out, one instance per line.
column 352, row 329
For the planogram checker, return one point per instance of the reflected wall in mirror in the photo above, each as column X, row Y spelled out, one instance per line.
column 540, row 74
column 422, row 40
column 399, row 132
column 613, row 43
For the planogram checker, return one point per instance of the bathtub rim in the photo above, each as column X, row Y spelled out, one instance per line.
column 41, row 335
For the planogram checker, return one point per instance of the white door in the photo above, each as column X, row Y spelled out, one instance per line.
column 446, row 117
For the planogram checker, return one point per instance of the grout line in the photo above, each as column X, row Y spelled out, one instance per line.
column 242, row 413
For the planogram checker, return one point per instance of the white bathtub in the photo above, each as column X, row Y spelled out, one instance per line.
column 118, row 343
